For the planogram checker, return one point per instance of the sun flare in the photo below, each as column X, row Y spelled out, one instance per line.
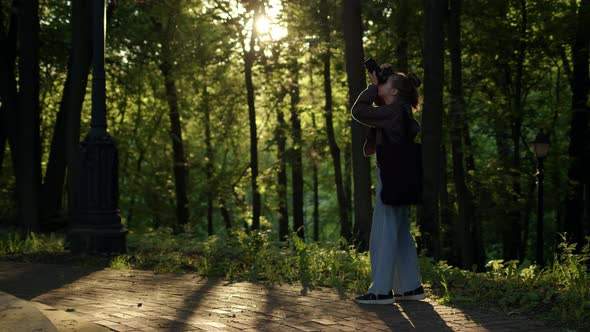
column 266, row 27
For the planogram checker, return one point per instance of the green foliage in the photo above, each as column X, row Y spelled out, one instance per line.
column 14, row 244
column 252, row 257
column 560, row 291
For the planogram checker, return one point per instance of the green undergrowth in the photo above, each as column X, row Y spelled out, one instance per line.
column 559, row 292
column 12, row 243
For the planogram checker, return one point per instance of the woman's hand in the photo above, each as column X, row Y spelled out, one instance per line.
column 373, row 79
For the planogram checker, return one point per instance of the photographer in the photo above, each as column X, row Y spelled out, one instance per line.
column 394, row 261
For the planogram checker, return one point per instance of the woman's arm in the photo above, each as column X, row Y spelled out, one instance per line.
column 364, row 112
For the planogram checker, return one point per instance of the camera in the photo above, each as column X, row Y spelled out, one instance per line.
column 382, row 74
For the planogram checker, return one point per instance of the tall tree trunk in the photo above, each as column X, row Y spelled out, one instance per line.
column 297, row 159
column 434, row 15
column 315, row 157
column 515, row 229
column 180, row 167
column 67, row 126
column 345, row 227
column 401, row 49
column 458, row 121
column 314, row 169
column 446, row 209
column 81, row 61
column 167, row 34
column 282, row 175
column 225, row 213
column 3, row 112
column 249, row 57
column 579, row 133
column 3, row 132
column 8, row 91
column 209, row 162
column 348, row 181
column 353, row 34
column 28, row 161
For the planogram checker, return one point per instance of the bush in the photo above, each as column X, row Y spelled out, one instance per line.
column 560, row 291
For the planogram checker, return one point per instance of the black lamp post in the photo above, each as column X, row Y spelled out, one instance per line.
column 96, row 222
column 541, row 145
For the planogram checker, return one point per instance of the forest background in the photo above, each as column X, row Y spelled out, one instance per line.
column 235, row 115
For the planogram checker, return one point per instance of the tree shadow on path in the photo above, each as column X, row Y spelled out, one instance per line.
column 27, row 281
column 406, row 316
column 190, row 304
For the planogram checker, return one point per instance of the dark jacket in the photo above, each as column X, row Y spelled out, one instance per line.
column 386, row 122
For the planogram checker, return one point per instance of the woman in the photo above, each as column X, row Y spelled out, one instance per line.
column 394, row 261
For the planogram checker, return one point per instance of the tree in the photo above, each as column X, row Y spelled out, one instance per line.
column 210, row 159
column 402, row 26
column 167, row 30
column 434, row 16
column 580, row 132
column 296, row 155
column 356, row 81
column 468, row 227
column 345, row 229
column 249, row 57
column 283, row 209
column 8, row 87
column 27, row 152
column 66, row 133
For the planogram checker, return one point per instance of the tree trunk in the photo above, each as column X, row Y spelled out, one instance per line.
column 446, row 209
column 282, row 175
column 353, row 33
column 515, row 221
column 458, row 121
column 314, row 168
column 3, row 132
column 401, row 49
column 28, row 158
column 68, row 117
column 3, row 116
column 297, row 159
column 8, row 92
column 81, row 60
column 434, row 15
column 249, row 57
column 345, row 227
column 180, row 167
column 225, row 213
column 579, row 133
column 209, row 161
column 348, row 181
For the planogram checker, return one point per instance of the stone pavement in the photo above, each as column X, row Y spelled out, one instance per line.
column 17, row 314
column 132, row 300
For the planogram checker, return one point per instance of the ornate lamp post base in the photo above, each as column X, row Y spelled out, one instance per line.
column 96, row 227
column 98, row 240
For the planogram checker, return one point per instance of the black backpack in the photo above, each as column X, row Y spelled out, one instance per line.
column 401, row 171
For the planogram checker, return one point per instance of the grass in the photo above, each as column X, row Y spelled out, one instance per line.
column 559, row 292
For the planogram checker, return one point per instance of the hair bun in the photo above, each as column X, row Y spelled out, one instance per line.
column 415, row 79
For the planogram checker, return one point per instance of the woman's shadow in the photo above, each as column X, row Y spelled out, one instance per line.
column 408, row 315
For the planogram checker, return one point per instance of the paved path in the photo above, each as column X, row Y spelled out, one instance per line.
column 131, row 300
column 17, row 314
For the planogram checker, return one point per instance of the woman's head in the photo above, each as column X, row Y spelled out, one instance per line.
column 400, row 87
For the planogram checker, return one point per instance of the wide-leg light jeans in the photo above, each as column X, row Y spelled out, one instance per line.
column 394, row 260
